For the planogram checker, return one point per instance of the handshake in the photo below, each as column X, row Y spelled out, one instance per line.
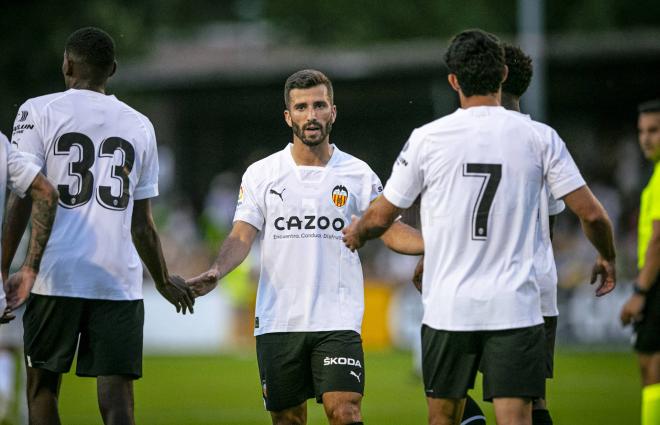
column 179, row 292
column 182, row 293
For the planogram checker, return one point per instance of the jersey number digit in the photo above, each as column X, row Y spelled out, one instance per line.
column 81, row 170
column 108, row 148
column 78, row 169
column 491, row 175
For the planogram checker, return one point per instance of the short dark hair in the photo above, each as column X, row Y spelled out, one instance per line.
column 477, row 59
column 95, row 48
column 520, row 70
column 649, row 106
column 305, row 79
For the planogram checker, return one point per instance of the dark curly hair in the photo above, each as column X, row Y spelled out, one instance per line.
column 94, row 48
column 305, row 79
column 477, row 59
column 649, row 106
column 520, row 71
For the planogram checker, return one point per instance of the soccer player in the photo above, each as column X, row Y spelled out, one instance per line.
column 481, row 172
column 102, row 156
column 310, row 298
column 519, row 76
column 643, row 307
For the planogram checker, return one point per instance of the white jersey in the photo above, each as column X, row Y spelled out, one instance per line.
column 101, row 155
column 544, row 259
column 16, row 174
column 309, row 280
column 481, row 173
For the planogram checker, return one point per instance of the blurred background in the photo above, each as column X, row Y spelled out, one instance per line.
column 210, row 73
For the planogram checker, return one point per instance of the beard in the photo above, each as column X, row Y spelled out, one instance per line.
column 324, row 132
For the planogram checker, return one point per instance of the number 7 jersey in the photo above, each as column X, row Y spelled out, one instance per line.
column 101, row 155
column 481, row 172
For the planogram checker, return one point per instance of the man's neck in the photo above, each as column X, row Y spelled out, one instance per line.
column 318, row 155
column 492, row 99
column 510, row 102
column 86, row 85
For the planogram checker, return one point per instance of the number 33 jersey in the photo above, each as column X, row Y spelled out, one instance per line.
column 481, row 172
column 309, row 280
column 101, row 155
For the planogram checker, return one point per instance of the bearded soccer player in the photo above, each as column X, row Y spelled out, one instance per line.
column 102, row 156
column 481, row 172
column 310, row 298
column 643, row 307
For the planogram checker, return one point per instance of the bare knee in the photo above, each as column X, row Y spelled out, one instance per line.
column 445, row 411
column 650, row 368
column 115, row 398
column 342, row 408
column 293, row 416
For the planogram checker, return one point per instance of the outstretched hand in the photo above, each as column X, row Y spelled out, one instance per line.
column 177, row 293
column 18, row 287
column 204, row 283
column 351, row 237
column 607, row 272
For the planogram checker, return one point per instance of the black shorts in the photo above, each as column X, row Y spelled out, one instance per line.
column 110, row 334
column 550, row 328
column 512, row 362
column 647, row 332
column 296, row 366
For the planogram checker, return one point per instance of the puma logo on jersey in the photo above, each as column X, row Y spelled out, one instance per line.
column 330, row 361
column 357, row 375
column 274, row 192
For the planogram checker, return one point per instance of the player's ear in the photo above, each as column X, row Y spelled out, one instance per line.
column 334, row 113
column 114, row 69
column 67, row 65
column 287, row 117
column 453, row 82
column 506, row 73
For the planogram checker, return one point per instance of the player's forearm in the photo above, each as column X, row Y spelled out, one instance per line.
column 378, row 218
column 44, row 208
column 404, row 239
column 233, row 252
column 16, row 219
column 648, row 275
column 147, row 243
column 598, row 230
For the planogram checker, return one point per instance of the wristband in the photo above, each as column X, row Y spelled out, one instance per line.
column 638, row 290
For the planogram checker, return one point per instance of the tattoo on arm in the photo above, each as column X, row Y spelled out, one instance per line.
column 44, row 207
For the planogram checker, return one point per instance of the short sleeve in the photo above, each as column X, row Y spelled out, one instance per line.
column 561, row 173
column 654, row 205
column 248, row 207
column 147, row 185
column 20, row 171
column 555, row 206
column 406, row 181
column 27, row 135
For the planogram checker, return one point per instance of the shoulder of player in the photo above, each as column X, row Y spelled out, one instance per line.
column 262, row 169
column 349, row 164
column 41, row 103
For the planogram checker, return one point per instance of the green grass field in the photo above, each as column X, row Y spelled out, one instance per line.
column 590, row 388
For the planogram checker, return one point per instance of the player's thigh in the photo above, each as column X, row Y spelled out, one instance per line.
column 51, row 327
column 647, row 331
column 111, row 339
column 513, row 363
column 550, row 332
column 337, row 363
column 284, row 369
column 449, row 362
